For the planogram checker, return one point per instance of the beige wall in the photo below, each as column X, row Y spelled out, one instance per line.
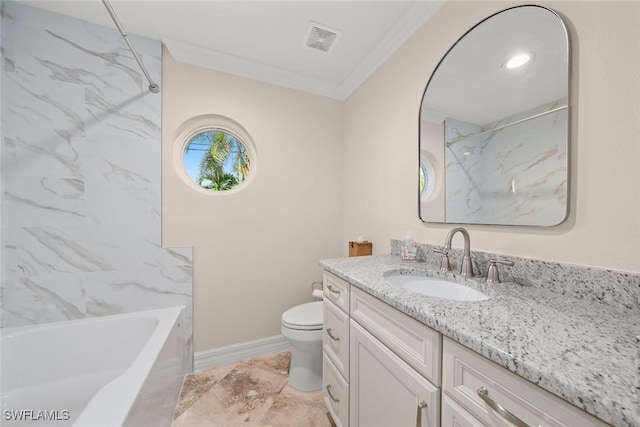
column 256, row 251
column 330, row 171
column 381, row 137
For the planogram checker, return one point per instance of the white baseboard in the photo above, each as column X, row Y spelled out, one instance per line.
column 233, row 353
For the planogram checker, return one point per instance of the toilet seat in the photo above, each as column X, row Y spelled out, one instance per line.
column 304, row 317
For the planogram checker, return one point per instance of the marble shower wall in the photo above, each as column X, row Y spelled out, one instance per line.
column 514, row 176
column 464, row 200
column 81, row 174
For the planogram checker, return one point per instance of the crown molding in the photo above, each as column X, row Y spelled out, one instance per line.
column 200, row 56
column 414, row 17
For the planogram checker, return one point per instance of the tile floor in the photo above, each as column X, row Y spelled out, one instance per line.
column 252, row 393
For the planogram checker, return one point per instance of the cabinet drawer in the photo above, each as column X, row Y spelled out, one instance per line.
column 335, row 338
column 335, row 391
column 454, row 415
column 415, row 343
column 466, row 372
column 336, row 290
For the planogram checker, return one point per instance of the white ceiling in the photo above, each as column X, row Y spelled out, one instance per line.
column 471, row 83
column 264, row 40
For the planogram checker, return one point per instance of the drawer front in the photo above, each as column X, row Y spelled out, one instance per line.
column 335, row 338
column 415, row 343
column 466, row 373
column 336, row 290
column 335, row 391
column 454, row 415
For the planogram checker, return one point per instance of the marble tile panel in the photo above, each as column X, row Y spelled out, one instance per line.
column 508, row 176
column 42, row 200
column 122, row 291
column 46, row 250
column 43, row 299
column 27, row 153
column 122, row 204
column 81, row 174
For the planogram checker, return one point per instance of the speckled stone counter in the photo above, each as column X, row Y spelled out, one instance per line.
column 581, row 350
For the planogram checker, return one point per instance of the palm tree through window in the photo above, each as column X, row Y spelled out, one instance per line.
column 216, row 160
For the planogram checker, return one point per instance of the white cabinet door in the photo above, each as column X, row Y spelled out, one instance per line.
column 384, row 390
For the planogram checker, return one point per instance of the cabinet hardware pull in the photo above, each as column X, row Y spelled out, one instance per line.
column 333, row 291
column 333, row 337
column 421, row 406
column 483, row 393
column 335, row 399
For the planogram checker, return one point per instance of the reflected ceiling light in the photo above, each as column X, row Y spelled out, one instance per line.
column 517, row 60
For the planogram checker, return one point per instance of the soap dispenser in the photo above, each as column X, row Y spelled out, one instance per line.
column 409, row 250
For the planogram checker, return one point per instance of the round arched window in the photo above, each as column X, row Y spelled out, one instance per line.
column 216, row 160
column 216, row 154
column 427, row 178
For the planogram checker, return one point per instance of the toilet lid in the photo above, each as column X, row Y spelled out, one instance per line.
column 304, row 316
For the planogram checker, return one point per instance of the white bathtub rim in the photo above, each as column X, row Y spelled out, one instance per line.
column 122, row 391
column 9, row 332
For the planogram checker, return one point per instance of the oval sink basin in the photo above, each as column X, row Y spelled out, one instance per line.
column 438, row 288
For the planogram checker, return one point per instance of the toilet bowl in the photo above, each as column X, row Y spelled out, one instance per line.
column 302, row 326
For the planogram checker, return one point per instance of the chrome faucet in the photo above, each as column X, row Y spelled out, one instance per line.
column 466, row 269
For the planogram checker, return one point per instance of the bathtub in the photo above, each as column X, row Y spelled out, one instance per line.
column 122, row 370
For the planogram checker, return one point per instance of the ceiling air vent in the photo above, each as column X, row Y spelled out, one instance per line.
column 321, row 38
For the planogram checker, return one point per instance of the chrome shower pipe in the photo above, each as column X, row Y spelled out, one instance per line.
column 495, row 129
column 153, row 87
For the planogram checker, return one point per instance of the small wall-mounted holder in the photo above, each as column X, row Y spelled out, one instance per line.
column 316, row 291
column 360, row 248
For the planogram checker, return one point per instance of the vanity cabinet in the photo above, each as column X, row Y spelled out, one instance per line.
column 384, row 368
column 381, row 367
column 475, row 391
column 335, row 348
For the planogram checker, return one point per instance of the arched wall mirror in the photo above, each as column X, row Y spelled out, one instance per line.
column 494, row 124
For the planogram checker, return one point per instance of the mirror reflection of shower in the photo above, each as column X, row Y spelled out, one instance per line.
column 495, row 114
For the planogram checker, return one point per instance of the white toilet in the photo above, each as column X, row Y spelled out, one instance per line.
column 302, row 326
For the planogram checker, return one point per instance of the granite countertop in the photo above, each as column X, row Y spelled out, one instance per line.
column 583, row 351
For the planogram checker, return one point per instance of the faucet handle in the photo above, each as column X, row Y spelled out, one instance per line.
column 492, row 274
column 445, row 265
